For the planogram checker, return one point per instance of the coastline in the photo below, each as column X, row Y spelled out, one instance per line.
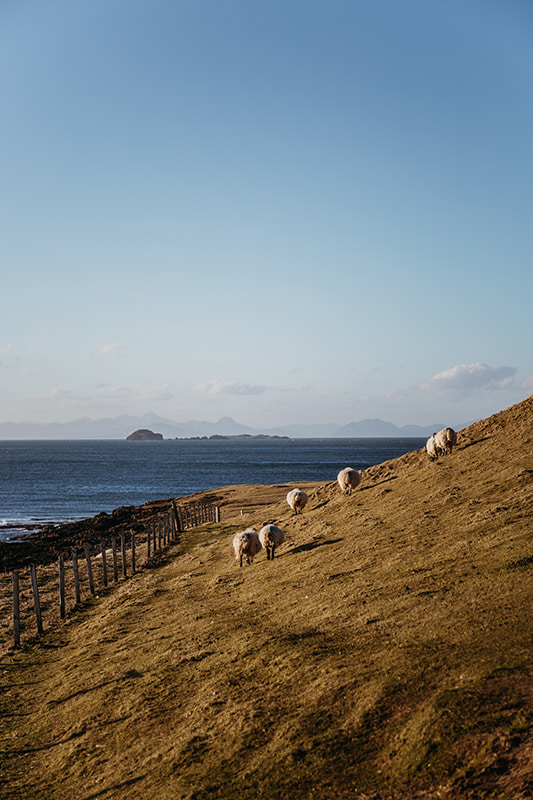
column 45, row 544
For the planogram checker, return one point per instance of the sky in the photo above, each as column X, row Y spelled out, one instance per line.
column 284, row 211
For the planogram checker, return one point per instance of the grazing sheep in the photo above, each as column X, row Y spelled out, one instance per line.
column 271, row 537
column 445, row 440
column 431, row 447
column 297, row 500
column 246, row 543
column 348, row 479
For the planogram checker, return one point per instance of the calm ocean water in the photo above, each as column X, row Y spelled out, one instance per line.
column 55, row 481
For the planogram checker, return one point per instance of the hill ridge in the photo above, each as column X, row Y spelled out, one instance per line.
column 384, row 654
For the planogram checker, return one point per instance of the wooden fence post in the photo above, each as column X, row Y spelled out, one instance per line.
column 89, row 566
column 114, row 552
column 36, row 603
column 104, row 562
column 76, row 575
column 123, row 548
column 177, row 526
column 133, row 552
column 16, row 609
column 217, row 513
column 62, row 609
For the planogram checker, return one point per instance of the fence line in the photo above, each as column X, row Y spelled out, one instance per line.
column 159, row 533
column 16, row 609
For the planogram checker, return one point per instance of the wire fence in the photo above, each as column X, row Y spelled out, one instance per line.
column 51, row 592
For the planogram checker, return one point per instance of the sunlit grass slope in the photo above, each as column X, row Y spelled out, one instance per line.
column 385, row 653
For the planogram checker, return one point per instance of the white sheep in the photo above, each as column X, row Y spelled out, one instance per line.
column 445, row 440
column 271, row 537
column 297, row 500
column 246, row 543
column 431, row 447
column 348, row 479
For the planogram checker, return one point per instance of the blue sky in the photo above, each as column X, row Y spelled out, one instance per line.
column 284, row 211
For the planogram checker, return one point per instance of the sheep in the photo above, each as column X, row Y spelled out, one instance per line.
column 348, row 479
column 271, row 537
column 297, row 500
column 246, row 543
column 431, row 447
column 445, row 440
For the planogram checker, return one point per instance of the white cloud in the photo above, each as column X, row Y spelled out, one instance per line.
column 465, row 378
column 527, row 383
column 108, row 351
column 220, row 387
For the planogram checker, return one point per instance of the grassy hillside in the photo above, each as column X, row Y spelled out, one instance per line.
column 385, row 653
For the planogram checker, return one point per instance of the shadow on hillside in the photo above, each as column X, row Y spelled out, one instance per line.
column 129, row 782
column 161, row 558
column 380, row 483
column 474, row 441
column 302, row 548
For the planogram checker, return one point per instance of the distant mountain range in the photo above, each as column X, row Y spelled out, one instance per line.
column 122, row 426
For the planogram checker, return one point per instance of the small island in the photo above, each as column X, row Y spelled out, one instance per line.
column 219, row 436
column 144, row 435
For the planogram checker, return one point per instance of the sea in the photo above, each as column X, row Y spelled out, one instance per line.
column 55, row 481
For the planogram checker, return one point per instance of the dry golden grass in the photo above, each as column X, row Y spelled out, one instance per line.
column 385, row 653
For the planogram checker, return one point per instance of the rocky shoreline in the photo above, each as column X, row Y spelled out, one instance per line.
column 43, row 545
